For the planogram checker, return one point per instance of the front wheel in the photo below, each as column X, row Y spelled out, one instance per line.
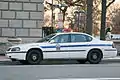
column 34, row 57
column 94, row 56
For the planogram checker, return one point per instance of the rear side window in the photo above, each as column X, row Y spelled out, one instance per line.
column 80, row 38
column 88, row 38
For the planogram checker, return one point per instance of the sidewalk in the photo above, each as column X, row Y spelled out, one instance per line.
column 4, row 58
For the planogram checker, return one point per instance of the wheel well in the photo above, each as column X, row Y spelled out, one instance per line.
column 98, row 50
column 34, row 49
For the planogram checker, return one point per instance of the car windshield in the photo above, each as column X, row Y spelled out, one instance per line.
column 47, row 38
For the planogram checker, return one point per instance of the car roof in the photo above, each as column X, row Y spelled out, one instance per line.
column 74, row 33
column 71, row 33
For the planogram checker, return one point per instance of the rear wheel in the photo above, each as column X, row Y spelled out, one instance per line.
column 34, row 57
column 94, row 56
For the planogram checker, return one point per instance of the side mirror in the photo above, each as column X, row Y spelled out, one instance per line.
column 52, row 41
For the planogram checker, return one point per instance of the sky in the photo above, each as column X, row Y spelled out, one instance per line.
column 117, row 1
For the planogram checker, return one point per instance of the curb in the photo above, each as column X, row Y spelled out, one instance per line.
column 84, row 79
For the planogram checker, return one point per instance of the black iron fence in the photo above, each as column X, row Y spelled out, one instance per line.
column 47, row 30
column 4, row 47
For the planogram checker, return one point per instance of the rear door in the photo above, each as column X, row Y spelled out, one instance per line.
column 79, row 45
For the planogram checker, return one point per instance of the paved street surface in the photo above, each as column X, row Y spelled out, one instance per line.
column 37, row 72
column 66, row 70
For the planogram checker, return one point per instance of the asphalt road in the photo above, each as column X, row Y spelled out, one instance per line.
column 16, row 71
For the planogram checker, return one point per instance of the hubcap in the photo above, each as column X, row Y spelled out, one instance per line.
column 95, row 56
column 34, row 57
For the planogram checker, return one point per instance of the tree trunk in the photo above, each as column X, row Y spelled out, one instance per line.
column 63, row 15
column 89, row 16
column 103, row 20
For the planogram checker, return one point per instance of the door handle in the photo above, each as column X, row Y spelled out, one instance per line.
column 57, row 47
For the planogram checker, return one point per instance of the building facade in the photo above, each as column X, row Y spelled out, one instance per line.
column 21, row 18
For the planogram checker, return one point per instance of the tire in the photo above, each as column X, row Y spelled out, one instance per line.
column 23, row 61
column 82, row 61
column 34, row 57
column 94, row 57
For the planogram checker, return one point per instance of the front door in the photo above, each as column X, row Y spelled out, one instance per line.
column 59, row 47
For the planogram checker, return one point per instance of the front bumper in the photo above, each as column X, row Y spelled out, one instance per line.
column 17, row 56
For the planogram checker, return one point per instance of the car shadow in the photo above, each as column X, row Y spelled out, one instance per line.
column 59, row 62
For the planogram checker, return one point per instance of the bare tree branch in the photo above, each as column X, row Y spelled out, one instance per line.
column 76, row 1
column 67, row 2
column 78, row 5
column 49, row 5
column 110, row 3
column 65, row 8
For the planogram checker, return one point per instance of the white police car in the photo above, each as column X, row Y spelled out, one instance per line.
column 72, row 45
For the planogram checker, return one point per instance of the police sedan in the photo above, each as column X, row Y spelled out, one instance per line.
column 72, row 45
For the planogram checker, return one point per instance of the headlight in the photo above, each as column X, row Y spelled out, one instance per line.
column 15, row 49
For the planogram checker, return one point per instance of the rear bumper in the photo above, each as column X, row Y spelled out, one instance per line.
column 110, row 53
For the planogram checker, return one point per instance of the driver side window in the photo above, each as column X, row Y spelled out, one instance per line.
column 64, row 38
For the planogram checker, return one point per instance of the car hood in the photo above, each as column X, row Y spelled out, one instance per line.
column 29, row 44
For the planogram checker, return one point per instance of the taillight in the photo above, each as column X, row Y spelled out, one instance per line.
column 113, row 45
